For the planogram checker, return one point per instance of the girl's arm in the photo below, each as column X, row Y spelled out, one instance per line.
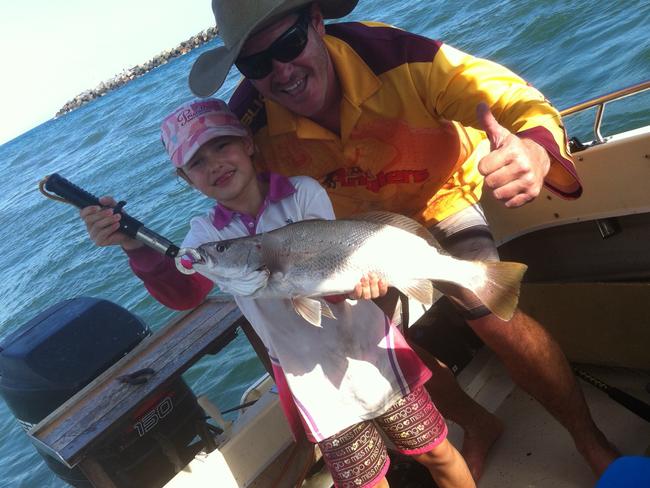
column 159, row 274
column 165, row 283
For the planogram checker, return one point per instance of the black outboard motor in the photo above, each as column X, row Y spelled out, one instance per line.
column 58, row 352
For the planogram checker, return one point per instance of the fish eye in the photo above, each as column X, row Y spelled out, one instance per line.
column 221, row 247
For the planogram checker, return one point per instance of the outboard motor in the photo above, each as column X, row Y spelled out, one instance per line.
column 61, row 350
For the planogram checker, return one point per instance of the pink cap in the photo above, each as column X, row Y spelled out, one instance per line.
column 194, row 123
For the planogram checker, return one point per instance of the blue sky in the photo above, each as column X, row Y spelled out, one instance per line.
column 54, row 50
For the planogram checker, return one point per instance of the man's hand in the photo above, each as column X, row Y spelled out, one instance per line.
column 515, row 168
column 369, row 287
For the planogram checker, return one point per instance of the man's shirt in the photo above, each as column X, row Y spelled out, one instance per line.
column 408, row 142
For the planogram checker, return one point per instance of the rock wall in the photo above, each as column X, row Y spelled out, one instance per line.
column 136, row 71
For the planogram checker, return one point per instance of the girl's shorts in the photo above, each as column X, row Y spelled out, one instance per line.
column 357, row 456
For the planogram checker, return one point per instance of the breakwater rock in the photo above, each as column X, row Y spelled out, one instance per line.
column 136, row 71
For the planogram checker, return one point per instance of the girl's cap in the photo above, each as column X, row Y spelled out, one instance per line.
column 193, row 124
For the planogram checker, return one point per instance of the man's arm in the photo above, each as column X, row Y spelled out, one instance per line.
column 529, row 146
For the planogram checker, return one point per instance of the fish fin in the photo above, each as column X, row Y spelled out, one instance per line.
column 326, row 310
column 273, row 253
column 420, row 290
column 500, row 291
column 309, row 309
column 498, row 288
column 400, row 221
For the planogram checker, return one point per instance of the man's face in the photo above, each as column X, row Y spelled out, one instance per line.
column 303, row 84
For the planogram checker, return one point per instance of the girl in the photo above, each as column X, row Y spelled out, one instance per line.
column 348, row 379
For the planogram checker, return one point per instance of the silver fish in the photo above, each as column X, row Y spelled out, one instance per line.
column 314, row 258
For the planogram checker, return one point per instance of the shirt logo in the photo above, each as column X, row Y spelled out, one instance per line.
column 355, row 177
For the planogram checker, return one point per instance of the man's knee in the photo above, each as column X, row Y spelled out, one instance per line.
column 521, row 332
column 491, row 328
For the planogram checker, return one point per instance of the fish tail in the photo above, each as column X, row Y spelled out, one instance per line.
column 499, row 291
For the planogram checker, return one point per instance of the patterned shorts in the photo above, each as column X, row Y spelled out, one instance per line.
column 357, row 457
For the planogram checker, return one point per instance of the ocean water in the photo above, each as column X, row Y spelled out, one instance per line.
column 570, row 50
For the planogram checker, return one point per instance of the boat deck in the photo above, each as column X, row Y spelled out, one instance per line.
column 534, row 450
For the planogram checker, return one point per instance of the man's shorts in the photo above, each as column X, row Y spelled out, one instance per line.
column 357, row 456
column 466, row 235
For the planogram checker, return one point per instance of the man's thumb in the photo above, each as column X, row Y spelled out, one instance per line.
column 489, row 124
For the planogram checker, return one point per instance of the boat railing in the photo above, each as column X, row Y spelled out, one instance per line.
column 600, row 103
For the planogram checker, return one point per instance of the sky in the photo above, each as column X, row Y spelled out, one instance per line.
column 55, row 49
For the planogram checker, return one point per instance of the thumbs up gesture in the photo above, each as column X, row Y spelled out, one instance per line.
column 515, row 168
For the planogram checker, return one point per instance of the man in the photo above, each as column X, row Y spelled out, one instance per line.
column 386, row 119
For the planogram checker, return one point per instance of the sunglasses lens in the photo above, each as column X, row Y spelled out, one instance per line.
column 256, row 66
column 285, row 48
column 290, row 47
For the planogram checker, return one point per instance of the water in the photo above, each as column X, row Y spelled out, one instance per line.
column 570, row 50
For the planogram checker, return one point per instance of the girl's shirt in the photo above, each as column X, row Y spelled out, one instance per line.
column 352, row 368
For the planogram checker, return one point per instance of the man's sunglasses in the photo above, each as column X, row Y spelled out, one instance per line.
column 285, row 48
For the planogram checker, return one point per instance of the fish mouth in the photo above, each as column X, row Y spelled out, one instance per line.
column 186, row 258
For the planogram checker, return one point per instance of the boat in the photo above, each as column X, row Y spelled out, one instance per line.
column 588, row 281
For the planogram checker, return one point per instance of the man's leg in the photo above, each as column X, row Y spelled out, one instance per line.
column 532, row 357
column 536, row 364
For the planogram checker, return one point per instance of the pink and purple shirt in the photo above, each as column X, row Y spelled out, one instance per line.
column 353, row 368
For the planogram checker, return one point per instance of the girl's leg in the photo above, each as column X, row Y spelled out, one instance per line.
column 356, row 457
column 482, row 428
column 447, row 466
column 418, row 430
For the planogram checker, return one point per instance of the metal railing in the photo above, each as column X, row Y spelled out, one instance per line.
column 601, row 101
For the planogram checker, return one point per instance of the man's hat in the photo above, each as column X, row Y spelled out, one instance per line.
column 236, row 21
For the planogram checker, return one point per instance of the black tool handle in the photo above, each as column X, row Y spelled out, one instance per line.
column 79, row 197
column 633, row 404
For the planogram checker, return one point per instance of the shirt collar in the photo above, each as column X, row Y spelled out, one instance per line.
column 280, row 187
column 358, row 83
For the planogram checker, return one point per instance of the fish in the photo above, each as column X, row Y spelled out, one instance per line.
column 307, row 260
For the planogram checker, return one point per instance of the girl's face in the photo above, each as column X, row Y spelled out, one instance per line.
column 222, row 169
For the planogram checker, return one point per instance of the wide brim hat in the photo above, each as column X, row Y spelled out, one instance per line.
column 236, row 21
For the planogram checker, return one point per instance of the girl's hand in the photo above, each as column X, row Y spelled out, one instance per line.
column 369, row 287
column 102, row 225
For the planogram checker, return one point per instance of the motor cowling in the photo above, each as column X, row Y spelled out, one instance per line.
column 62, row 349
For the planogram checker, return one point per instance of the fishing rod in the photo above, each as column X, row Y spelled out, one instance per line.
column 70, row 193
column 639, row 407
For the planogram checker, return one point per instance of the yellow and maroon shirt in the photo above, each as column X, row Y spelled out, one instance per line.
column 408, row 141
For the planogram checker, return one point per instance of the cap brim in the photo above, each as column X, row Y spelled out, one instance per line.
column 206, row 136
